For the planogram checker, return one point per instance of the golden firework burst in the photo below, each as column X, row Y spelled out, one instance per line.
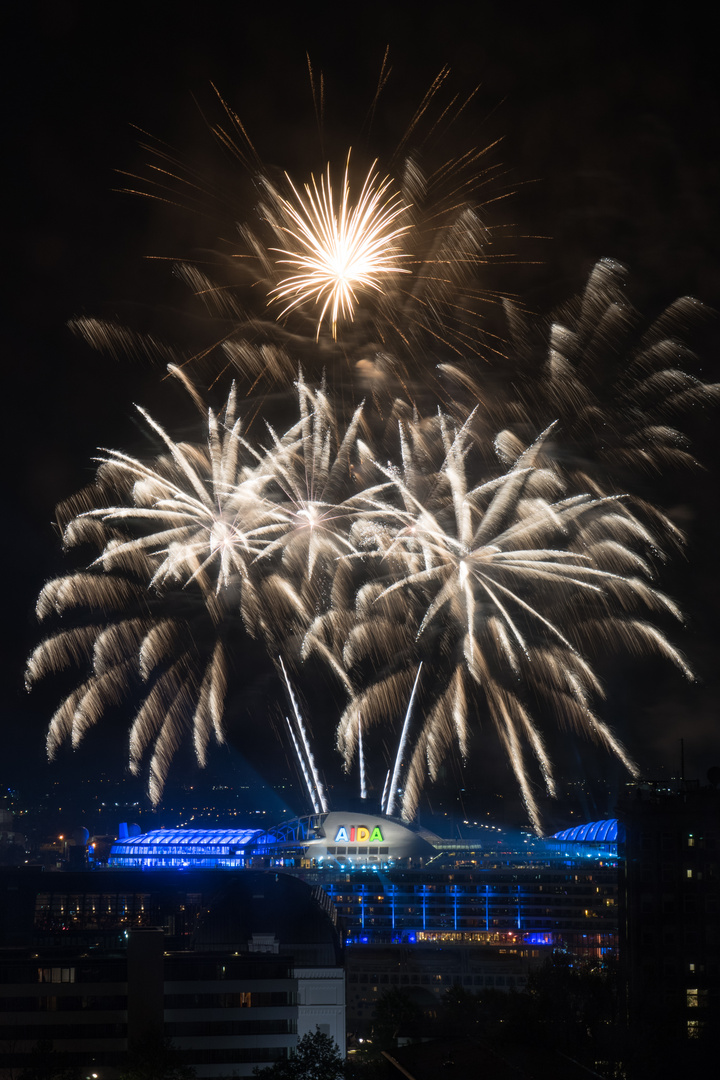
column 339, row 248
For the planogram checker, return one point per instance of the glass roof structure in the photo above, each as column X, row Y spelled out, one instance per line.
column 598, row 832
column 184, row 847
column 188, row 838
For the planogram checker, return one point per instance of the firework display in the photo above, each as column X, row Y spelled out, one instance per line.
column 339, row 249
column 447, row 523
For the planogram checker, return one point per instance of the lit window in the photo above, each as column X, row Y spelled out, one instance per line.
column 688, row 873
column 692, row 999
column 56, row 975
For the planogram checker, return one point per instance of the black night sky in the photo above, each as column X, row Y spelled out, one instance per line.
column 609, row 144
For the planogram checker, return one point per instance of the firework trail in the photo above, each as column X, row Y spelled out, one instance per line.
column 311, row 789
column 318, row 792
column 383, row 801
column 394, row 783
column 361, row 759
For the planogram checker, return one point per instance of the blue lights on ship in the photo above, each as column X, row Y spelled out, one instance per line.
column 232, row 848
column 604, row 832
column 560, row 891
column 223, row 848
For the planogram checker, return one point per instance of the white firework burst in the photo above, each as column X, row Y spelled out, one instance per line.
column 503, row 589
column 340, row 248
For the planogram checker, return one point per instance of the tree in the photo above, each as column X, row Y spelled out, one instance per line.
column 155, row 1058
column 44, row 1063
column 461, row 1012
column 317, row 1057
column 395, row 1013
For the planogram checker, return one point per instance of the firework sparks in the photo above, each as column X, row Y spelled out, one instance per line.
column 399, row 245
column 510, row 583
column 181, row 539
column 616, row 391
column 381, row 537
column 202, row 542
column 502, row 587
column 311, row 488
column 202, row 507
column 342, row 248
